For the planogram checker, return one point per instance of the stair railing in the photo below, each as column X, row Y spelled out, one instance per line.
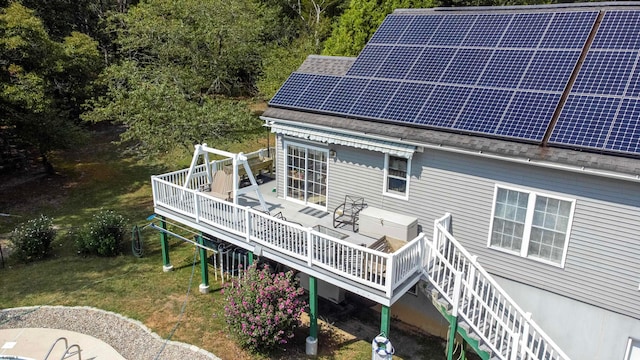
column 507, row 330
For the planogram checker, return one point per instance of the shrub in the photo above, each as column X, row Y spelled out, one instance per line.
column 103, row 235
column 263, row 309
column 32, row 240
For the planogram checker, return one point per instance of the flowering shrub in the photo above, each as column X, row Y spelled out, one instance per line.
column 103, row 235
column 263, row 309
column 32, row 240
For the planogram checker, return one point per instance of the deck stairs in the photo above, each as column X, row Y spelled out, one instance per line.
column 477, row 308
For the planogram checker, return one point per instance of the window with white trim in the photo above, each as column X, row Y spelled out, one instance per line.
column 633, row 350
column 396, row 176
column 531, row 225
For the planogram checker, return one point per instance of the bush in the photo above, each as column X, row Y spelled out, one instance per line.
column 102, row 236
column 32, row 240
column 263, row 309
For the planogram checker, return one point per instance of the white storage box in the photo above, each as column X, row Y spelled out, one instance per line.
column 378, row 223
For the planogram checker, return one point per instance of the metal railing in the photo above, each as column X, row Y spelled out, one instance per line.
column 474, row 295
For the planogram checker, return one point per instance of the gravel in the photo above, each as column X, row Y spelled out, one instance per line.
column 132, row 339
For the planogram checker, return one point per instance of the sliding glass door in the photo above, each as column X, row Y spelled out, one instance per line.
column 307, row 175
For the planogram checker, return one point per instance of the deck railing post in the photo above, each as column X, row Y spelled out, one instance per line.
column 196, row 206
column 515, row 339
column 247, row 221
column 390, row 275
column 309, row 247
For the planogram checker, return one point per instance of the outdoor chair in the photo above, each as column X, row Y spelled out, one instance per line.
column 221, row 186
column 348, row 212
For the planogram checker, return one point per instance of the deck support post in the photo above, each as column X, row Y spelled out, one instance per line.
column 385, row 320
column 204, row 266
column 164, row 242
column 313, row 307
column 250, row 258
column 453, row 329
column 312, row 340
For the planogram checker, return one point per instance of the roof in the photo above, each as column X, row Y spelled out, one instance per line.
column 474, row 144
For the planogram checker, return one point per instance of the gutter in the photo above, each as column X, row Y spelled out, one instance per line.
column 421, row 146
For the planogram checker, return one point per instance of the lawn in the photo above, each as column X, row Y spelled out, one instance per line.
column 102, row 176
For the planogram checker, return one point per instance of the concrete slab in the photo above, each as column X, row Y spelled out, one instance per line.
column 34, row 343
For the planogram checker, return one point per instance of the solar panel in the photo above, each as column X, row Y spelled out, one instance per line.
column 585, row 121
column 407, row 101
column 550, row 70
column 498, row 74
column 526, row 30
column 569, row 30
column 422, row 29
column 634, row 84
column 487, row 30
column 292, row 88
column 374, row 98
column 605, row 72
column 317, row 91
column 443, row 106
column 344, row 95
column 398, row 62
column 369, row 60
column 505, row 68
column 452, row 30
column 391, row 29
column 483, row 111
column 431, row 64
column 466, row 66
column 528, row 115
column 625, row 131
column 618, row 30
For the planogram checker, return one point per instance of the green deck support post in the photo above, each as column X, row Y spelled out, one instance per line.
column 313, row 307
column 204, row 266
column 453, row 328
column 164, row 242
column 385, row 320
column 250, row 258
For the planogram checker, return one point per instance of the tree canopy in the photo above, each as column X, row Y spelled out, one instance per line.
column 43, row 83
column 358, row 23
column 180, row 59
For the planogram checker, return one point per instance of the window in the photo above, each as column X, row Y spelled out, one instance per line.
column 633, row 350
column 531, row 225
column 396, row 176
column 306, row 174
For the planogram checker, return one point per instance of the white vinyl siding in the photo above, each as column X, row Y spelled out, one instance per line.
column 531, row 225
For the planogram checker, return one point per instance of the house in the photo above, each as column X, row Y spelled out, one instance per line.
column 508, row 135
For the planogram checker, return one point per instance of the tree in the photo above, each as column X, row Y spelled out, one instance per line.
column 42, row 82
column 360, row 21
column 180, row 62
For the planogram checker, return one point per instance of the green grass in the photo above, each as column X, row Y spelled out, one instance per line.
column 99, row 176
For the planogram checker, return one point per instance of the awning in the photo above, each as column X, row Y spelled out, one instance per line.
column 334, row 137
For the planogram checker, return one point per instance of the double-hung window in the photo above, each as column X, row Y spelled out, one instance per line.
column 531, row 225
column 396, row 176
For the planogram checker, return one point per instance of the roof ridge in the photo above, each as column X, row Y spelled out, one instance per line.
column 494, row 9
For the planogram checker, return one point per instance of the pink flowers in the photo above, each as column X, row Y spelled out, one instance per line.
column 263, row 309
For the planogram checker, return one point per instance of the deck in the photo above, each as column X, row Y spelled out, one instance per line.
column 305, row 241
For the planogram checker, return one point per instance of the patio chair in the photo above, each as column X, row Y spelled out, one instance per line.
column 348, row 211
column 221, row 186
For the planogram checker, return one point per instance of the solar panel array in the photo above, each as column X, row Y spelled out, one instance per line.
column 495, row 74
column 603, row 109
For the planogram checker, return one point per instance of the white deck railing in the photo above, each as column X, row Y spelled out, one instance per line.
column 482, row 303
column 372, row 268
